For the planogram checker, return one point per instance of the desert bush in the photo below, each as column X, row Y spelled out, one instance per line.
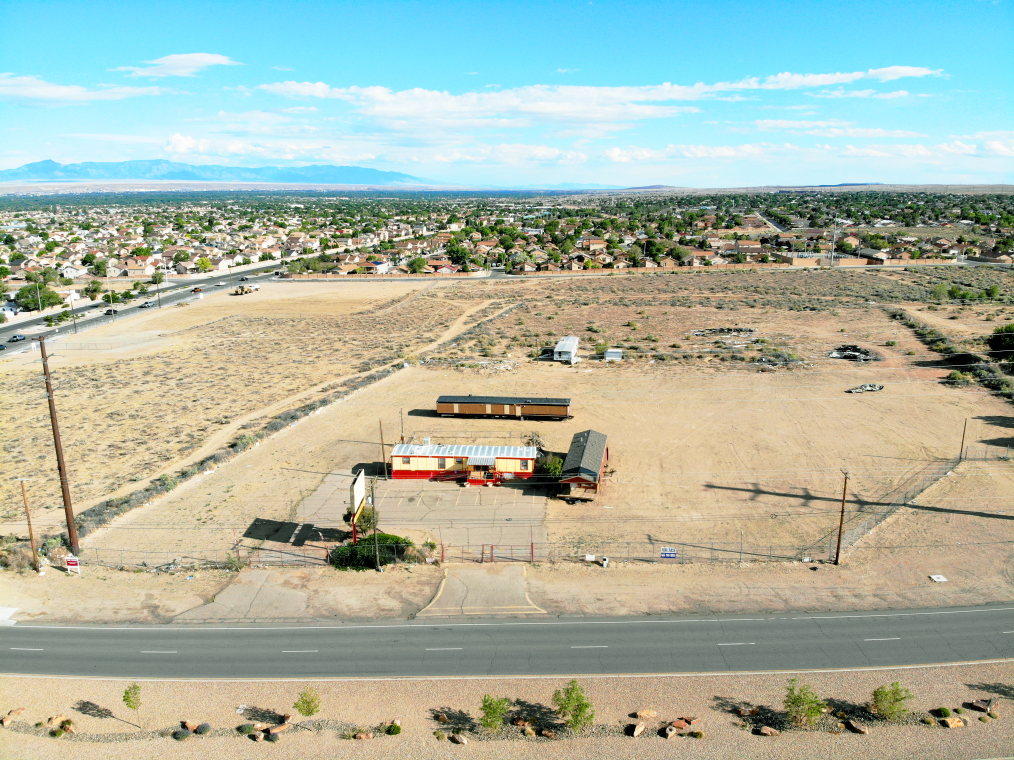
column 202, row 729
column 572, row 705
column 308, row 702
column 801, row 703
column 246, row 729
column 889, row 701
column 271, row 737
column 393, row 730
column 944, row 712
column 494, row 711
column 182, row 733
column 550, row 465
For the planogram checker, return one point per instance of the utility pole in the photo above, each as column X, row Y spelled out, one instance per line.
column 841, row 521
column 376, row 516
column 68, row 508
column 402, row 425
column 31, row 530
column 383, row 450
column 961, row 452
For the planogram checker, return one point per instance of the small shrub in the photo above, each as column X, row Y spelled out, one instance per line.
column 697, row 734
column 891, row 343
column 494, row 711
column 246, row 729
column 181, row 733
column 928, row 721
column 943, row 712
column 573, row 706
column 958, row 711
column 889, row 701
column 984, row 718
column 40, row 724
column 308, row 702
column 271, row 737
column 393, row 730
column 234, row 563
column 801, row 703
column 203, row 729
column 440, row 735
column 56, row 733
column 993, row 715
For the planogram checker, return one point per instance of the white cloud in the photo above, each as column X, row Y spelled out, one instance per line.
column 1000, row 147
column 566, row 71
column 831, row 128
column 634, row 154
column 506, row 153
column 840, row 93
column 959, row 148
column 179, row 65
column 34, row 90
column 283, row 68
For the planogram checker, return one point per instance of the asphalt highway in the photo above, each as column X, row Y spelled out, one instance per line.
column 498, row 647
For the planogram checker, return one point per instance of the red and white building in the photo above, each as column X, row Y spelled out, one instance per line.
column 479, row 464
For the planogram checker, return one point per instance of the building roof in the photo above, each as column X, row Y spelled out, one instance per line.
column 586, row 455
column 514, row 400
column 467, row 451
column 570, row 343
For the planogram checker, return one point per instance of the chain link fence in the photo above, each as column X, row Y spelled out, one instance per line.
column 986, row 452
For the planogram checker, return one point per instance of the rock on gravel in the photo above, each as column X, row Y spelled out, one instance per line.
column 639, row 728
column 643, row 714
column 768, row 731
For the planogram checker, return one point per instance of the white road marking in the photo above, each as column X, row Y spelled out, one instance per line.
column 596, row 646
column 739, row 644
column 896, row 638
column 26, row 649
column 156, row 651
column 445, row 649
column 299, row 651
column 1008, row 631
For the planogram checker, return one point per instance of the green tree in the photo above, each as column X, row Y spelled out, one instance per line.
column 801, row 703
column 180, row 256
column 307, row 703
column 98, row 269
column 204, row 264
column 29, row 297
column 92, row 289
column 416, row 265
column 132, row 699
column 551, row 464
column 157, row 278
column 573, row 706
column 110, row 298
column 494, row 711
column 889, row 701
column 1001, row 342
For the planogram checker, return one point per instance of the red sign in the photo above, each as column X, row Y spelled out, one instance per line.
column 73, row 564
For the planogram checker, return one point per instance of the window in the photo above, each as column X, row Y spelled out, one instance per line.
column 459, row 461
column 441, row 464
column 406, row 460
column 524, row 464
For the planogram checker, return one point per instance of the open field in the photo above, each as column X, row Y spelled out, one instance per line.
column 108, row 731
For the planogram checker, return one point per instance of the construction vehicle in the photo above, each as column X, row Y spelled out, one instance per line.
column 242, row 290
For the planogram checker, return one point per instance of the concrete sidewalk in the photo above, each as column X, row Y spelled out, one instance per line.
column 490, row 590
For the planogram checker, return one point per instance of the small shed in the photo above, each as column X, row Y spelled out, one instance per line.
column 566, row 350
column 585, row 464
column 613, row 355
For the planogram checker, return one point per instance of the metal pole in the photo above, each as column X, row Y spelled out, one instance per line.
column 31, row 531
column 961, row 453
column 841, row 520
column 60, row 464
column 376, row 519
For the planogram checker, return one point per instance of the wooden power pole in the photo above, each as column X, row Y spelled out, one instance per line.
column 31, row 530
column 61, row 466
column 383, row 451
column 964, row 432
column 841, row 521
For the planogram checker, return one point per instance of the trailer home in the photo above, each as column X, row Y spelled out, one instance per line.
column 479, row 465
column 519, row 407
column 566, row 350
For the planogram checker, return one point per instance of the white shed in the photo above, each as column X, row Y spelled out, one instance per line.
column 613, row 355
column 566, row 350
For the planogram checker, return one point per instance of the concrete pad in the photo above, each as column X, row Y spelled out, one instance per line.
column 486, row 589
column 5, row 615
column 255, row 594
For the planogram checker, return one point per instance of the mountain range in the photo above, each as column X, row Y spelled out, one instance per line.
column 318, row 174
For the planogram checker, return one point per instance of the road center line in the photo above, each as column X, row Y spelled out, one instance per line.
column 740, row 644
column 26, row 649
column 445, row 649
column 299, row 651
column 596, row 646
column 156, row 652
column 896, row 638
column 1007, row 631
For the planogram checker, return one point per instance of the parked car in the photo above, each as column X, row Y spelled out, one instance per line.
column 195, row 290
column 110, row 312
column 146, row 305
column 243, row 279
column 3, row 346
column 17, row 338
column 219, row 284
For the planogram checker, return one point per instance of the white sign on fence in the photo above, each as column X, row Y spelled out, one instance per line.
column 668, row 552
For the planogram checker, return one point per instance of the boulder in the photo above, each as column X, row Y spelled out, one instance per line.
column 691, row 720
column 768, row 731
column 396, row 722
column 191, row 727
column 441, row 718
column 364, row 736
column 259, row 726
column 17, row 712
column 69, row 730
column 952, row 722
column 671, row 732
column 6, row 721
column 529, row 731
column 278, row 729
column 643, row 714
column 56, row 720
column 639, row 728
column 520, row 722
column 459, row 739
column 679, row 724
column 549, row 733
column 744, row 711
column 258, row 737
column 287, row 718
column 855, row 727
column 986, row 705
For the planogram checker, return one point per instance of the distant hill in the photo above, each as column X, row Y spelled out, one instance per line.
column 318, row 174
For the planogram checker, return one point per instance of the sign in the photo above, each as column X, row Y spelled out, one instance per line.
column 668, row 552
column 357, row 495
column 73, row 564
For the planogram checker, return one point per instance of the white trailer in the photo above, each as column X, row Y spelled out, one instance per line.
column 566, row 350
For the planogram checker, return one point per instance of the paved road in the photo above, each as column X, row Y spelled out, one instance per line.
column 516, row 647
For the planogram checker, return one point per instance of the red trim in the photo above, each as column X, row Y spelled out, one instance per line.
column 430, row 474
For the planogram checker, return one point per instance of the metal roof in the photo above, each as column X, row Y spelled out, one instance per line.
column 436, row 450
column 586, row 455
column 515, row 400
column 570, row 343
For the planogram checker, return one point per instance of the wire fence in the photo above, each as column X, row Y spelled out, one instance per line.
column 987, row 452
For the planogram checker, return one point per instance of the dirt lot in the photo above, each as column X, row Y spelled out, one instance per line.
column 146, row 392
column 106, row 729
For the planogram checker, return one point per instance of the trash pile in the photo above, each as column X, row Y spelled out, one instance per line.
column 725, row 331
column 853, row 354
column 866, row 387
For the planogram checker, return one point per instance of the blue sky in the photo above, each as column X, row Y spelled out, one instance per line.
column 512, row 93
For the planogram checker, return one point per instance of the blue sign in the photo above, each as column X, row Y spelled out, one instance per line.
column 668, row 552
